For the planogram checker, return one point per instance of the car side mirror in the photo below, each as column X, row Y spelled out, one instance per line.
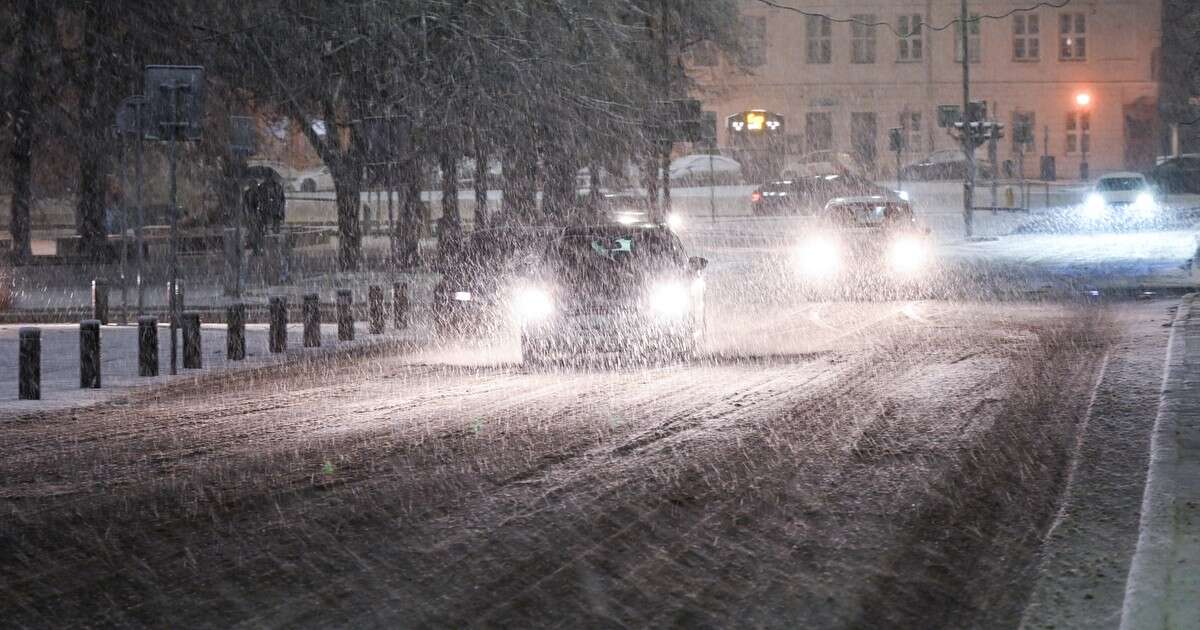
column 697, row 263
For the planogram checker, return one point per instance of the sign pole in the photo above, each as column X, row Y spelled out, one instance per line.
column 172, row 300
column 968, row 140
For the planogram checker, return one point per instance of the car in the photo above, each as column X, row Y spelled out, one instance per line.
column 807, row 195
column 469, row 299
column 1176, row 175
column 629, row 289
column 704, row 169
column 944, row 165
column 862, row 243
column 1123, row 199
column 825, row 163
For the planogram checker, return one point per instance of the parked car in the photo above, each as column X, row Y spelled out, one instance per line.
column 807, row 195
column 824, row 163
column 945, row 165
column 701, row 169
column 1176, row 175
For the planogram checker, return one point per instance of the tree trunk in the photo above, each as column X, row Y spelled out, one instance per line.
column 22, row 146
column 650, row 180
column 93, row 136
column 450, row 235
column 412, row 217
column 481, row 187
column 558, row 196
column 347, row 186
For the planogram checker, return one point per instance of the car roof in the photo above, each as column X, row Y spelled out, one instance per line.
column 614, row 229
column 1123, row 175
column 864, row 199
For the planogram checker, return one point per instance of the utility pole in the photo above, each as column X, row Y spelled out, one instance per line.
column 967, row 135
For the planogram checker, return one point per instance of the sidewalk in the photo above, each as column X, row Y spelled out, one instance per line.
column 119, row 367
column 1163, row 587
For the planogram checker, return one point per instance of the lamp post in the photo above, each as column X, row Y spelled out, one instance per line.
column 1083, row 104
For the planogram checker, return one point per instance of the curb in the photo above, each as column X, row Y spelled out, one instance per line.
column 1162, row 589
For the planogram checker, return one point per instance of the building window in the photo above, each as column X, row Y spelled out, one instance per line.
column 912, row 44
column 1072, row 36
column 910, row 124
column 1023, row 132
column 754, row 41
column 1079, row 132
column 819, row 32
column 1027, row 43
column 818, row 132
column 864, row 134
column 973, row 43
column 703, row 55
column 862, row 39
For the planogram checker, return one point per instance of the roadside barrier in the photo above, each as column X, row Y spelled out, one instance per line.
column 235, row 332
column 29, row 370
column 375, row 309
column 278, row 331
column 89, row 354
column 345, row 316
column 312, row 320
column 192, row 355
column 147, row 346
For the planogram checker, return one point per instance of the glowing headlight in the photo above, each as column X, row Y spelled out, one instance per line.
column 1145, row 205
column 908, row 254
column 819, row 257
column 674, row 222
column 462, row 296
column 903, row 194
column 1094, row 207
column 670, row 299
column 532, row 304
column 626, row 219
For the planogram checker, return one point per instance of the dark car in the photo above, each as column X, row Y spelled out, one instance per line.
column 1177, row 175
column 470, row 297
column 807, row 195
column 611, row 288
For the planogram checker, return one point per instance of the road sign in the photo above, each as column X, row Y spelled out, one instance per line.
column 756, row 121
column 128, row 114
column 175, row 95
column 243, row 135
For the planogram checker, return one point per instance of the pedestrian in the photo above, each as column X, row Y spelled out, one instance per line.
column 273, row 203
column 251, row 202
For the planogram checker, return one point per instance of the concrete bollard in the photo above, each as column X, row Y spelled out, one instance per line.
column 100, row 301
column 192, row 355
column 29, row 370
column 312, row 321
column 345, row 317
column 89, row 354
column 375, row 309
column 147, row 346
column 400, row 305
column 277, row 337
column 235, row 332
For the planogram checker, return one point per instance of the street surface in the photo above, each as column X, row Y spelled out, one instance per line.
column 884, row 461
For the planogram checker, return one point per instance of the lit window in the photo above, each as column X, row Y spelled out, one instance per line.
column 819, row 32
column 912, row 44
column 1027, row 43
column 862, row 39
column 973, row 42
column 754, row 41
column 1072, row 36
column 1079, row 132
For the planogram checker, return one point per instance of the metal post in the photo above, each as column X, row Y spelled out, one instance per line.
column 312, row 321
column 235, row 332
column 141, row 214
column 400, row 305
column 89, row 354
column 345, row 317
column 100, row 300
column 29, row 372
column 124, row 221
column 375, row 309
column 994, row 156
column 967, row 136
column 712, row 186
column 278, row 329
column 387, row 177
column 176, row 311
column 192, row 356
column 147, row 346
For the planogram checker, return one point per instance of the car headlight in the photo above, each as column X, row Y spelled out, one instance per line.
column 1145, row 205
column 531, row 303
column 670, row 300
column 1094, row 207
column 462, row 296
column 908, row 254
column 819, row 257
column 674, row 222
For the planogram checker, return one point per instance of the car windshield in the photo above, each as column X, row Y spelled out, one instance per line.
column 1120, row 184
column 616, row 252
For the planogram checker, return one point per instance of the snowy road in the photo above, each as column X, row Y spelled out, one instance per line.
column 824, row 464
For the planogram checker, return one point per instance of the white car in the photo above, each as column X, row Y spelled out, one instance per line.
column 699, row 168
column 1121, row 199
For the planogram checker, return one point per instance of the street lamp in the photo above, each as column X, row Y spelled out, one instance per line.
column 1083, row 103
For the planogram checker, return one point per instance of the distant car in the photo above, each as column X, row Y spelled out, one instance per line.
column 704, row 169
column 944, row 165
column 630, row 289
column 825, row 163
column 867, row 242
column 807, row 195
column 1176, row 175
column 1121, row 200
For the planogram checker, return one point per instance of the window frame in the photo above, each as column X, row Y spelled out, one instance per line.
column 865, row 36
column 910, row 48
column 1029, row 32
column 809, row 136
column 914, row 134
column 974, row 40
column 1073, row 40
column 1078, row 132
column 818, row 38
column 760, row 36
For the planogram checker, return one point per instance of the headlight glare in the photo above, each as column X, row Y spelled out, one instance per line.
column 908, row 254
column 1094, row 207
column 819, row 257
column 531, row 303
column 670, row 300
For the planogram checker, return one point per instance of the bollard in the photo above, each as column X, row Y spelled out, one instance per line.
column 192, row 357
column 89, row 354
column 345, row 318
column 400, row 304
column 147, row 346
column 100, row 300
column 375, row 309
column 312, row 321
column 235, row 332
column 29, row 372
column 278, row 333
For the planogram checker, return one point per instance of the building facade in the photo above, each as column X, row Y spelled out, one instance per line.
column 1084, row 76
